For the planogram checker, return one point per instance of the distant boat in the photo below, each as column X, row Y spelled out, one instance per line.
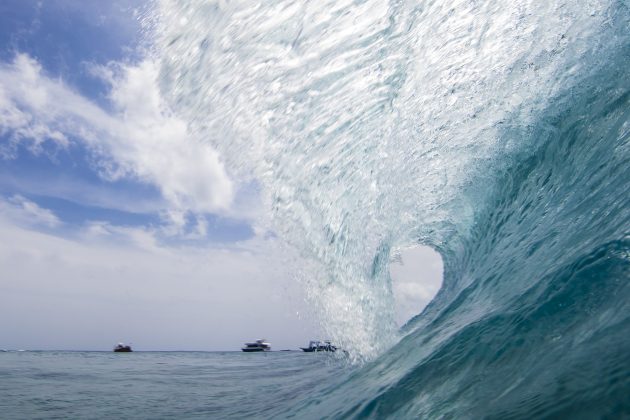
column 319, row 346
column 259, row 345
column 121, row 348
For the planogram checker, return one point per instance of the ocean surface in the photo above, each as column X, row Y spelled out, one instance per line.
column 160, row 385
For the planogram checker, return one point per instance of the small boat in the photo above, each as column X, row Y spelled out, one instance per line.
column 121, row 348
column 259, row 345
column 319, row 346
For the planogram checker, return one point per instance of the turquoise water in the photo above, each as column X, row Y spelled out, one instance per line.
column 496, row 132
column 202, row 385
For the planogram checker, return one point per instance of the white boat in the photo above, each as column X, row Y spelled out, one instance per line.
column 319, row 346
column 259, row 345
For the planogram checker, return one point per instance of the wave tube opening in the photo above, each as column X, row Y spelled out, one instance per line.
column 416, row 274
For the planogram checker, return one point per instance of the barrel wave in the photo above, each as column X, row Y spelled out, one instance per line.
column 496, row 132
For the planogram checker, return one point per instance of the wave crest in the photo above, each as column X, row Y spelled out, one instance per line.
column 375, row 125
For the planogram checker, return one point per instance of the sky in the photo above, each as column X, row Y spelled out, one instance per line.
column 118, row 224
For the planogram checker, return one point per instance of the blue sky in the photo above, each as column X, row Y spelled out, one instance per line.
column 64, row 35
column 118, row 223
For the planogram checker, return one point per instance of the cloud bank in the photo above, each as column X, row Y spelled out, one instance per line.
column 110, row 284
column 24, row 212
column 139, row 138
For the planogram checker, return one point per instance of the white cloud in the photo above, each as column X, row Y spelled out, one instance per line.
column 20, row 125
column 140, row 138
column 81, row 191
column 96, row 232
column 27, row 213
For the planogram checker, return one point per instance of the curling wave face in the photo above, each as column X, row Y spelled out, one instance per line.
column 496, row 132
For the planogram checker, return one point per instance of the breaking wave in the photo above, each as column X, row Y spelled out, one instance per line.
column 496, row 132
